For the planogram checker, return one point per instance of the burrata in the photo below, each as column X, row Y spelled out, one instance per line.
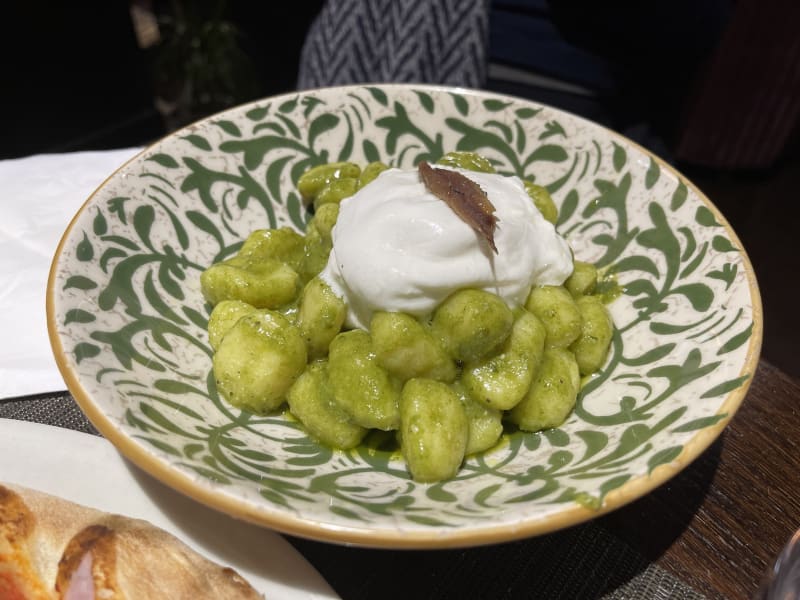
column 399, row 248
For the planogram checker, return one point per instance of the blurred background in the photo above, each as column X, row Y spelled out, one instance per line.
column 711, row 86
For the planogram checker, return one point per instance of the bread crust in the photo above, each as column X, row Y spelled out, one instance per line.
column 47, row 544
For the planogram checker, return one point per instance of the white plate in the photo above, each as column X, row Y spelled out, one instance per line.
column 88, row 470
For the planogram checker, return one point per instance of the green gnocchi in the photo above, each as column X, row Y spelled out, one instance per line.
column 446, row 386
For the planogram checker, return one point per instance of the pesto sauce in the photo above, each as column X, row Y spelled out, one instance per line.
column 608, row 288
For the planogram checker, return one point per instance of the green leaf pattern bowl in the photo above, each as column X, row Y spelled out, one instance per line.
column 127, row 320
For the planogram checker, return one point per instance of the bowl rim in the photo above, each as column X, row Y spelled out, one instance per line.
column 292, row 524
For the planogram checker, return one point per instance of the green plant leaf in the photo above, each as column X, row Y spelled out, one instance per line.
column 559, row 459
column 461, row 104
column 652, row 175
column 229, row 127
column 495, row 105
column 636, row 263
column 195, row 317
column 165, row 160
column 143, row 219
column 634, row 436
column 521, row 137
column 639, row 287
column 85, row 350
column 281, row 500
column 727, row 274
column 483, row 495
column 669, row 328
column 551, row 128
column 109, row 255
column 310, row 103
column 288, row 106
column 290, row 125
column 79, row 282
column 613, row 484
column 691, row 243
column 198, row 141
column 595, row 441
column 117, row 206
column 526, row 113
column 158, row 418
column 76, row 315
column 679, row 196
column 84, row 252
column 271, row 126
column 273, row 177
column 660, row 237
column 531, row 442
column 548, row 487
column 425, row 100
column 683, row 374
column 99, row 224
column 370, row 151
column 438, row 493
column 379, row 95
column 172, row 386
column 548, row 153
column 696, row 261
column 722, row 244
column 504, row 129
column 258, row 113
column 736, row 341
column 214, row 476
column 725, row 387
column 324, row 122
column 424, row 520
column 567, row 207
column 613, row 196
column 705, row 217
column 619, row 157
column 190, row 450
column 556, row 437
column 662, row 457
column 698, row 294
column 346, row 149
column 700, row 423
column 203, row 223
column 651, row 356
column 163, row 446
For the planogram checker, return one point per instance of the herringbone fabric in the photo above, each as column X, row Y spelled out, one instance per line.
column 403, row 41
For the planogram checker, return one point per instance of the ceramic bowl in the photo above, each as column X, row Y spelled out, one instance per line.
column 127, row 320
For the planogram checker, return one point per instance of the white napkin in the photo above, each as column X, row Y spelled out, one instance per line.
column 39, row 195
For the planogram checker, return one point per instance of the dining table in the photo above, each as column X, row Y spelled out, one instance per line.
column 711, row 531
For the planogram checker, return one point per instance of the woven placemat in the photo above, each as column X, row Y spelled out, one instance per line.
column 586, row 561
column 57, row 409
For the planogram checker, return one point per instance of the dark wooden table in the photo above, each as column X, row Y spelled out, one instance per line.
column 720, row 523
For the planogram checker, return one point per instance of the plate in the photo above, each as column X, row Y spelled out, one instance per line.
column 127, row 321
column 88, row 470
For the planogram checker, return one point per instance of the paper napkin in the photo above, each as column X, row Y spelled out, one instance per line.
column 39, row 195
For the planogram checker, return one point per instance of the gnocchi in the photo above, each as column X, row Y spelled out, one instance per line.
column 447, row 385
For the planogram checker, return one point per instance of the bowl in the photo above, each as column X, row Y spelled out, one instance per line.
column 127, row 320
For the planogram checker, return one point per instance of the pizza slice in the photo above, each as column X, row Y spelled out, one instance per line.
column 53, row 549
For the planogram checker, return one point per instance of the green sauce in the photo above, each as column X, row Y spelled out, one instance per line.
column 608, row 288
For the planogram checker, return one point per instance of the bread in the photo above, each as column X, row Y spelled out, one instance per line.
column 53, row 549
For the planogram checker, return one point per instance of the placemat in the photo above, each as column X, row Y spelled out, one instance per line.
column 585, row 561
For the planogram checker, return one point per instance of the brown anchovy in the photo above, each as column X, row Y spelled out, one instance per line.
column 464, row 197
